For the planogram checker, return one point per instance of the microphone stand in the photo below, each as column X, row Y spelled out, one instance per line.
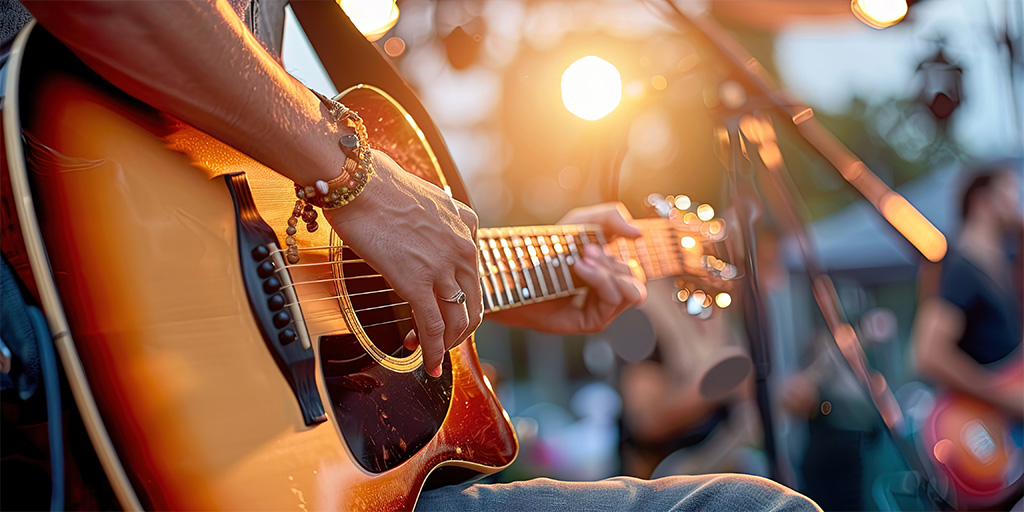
column 748, row 94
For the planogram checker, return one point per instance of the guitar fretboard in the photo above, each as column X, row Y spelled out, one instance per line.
column 523, row 265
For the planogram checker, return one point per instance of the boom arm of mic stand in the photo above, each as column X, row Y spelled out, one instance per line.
column 896, row 210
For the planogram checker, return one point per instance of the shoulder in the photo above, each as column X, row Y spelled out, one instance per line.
column 959, row 280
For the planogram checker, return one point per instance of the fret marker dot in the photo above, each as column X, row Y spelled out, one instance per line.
column 526, row 293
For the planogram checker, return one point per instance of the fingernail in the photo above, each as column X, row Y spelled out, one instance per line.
column 436, row 372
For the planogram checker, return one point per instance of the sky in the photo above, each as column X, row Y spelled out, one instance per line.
column 828, row 65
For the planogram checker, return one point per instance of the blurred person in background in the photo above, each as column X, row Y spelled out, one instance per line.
column 841, row 425
column 967, row 339
column 686, row 408
column 971, row 328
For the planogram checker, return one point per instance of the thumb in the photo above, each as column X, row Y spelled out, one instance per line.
column 618, row 222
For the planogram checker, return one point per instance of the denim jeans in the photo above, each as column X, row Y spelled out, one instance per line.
column 727, row 492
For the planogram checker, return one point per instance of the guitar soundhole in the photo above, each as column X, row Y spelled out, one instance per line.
column 383, row 314
column 385, row 416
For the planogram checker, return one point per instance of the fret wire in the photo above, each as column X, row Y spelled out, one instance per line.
column 644, row 258
column 644, row 254
column 634, row 253
column 512, row 267
column 521, row 270
column 671, row 248
column 620, row 246
column 659, row 255
column 560, row 243
column 501, row 275
column 556, row 265
column 651, row 247
column 571, row 241
column 532, row 251
column 490, row 273
column 546, row 254
column 664, row 258
column 524, row 264
column 502, row 271
column 485, row 288
column 633, row 246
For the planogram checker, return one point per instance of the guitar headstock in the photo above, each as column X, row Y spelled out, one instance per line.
column 709, row 277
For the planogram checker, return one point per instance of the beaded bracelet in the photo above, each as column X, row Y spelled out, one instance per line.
column 339, row 191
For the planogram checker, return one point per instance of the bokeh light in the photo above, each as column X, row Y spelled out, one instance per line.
column 879, row 13
column 705, row 212
column 591, row 88
column 723, row 300
column 687, row 242
column 372, row 17
column 682, row 202
column 394, row 46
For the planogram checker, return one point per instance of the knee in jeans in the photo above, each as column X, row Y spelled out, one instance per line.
column 758, row 493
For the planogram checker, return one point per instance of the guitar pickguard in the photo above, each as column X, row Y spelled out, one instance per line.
column 384, row 416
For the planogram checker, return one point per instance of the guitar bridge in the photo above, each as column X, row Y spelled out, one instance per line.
column 273, row 301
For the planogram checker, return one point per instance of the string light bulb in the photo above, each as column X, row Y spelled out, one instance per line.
column 879, row 13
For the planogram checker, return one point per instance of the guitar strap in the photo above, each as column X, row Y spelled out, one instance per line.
column 351, row 60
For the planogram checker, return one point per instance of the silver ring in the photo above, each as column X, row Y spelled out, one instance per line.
column 458, row 298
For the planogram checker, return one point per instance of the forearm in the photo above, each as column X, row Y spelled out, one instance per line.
column 657, row 406
column 197, row 62
column 936, row 330
column 955, row 369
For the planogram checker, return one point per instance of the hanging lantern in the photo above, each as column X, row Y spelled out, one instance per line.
column 942, row 85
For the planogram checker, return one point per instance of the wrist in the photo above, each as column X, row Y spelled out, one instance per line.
column 345, row 185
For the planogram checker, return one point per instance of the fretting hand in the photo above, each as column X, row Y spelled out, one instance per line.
column 424, row 243
column 611, row 286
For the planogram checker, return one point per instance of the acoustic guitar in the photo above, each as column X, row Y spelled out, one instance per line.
column 211, row 374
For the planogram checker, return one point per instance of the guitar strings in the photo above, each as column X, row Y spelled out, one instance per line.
column 648, row 254
column 624, row 253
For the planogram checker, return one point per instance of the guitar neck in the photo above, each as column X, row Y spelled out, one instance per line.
column 523, row 265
